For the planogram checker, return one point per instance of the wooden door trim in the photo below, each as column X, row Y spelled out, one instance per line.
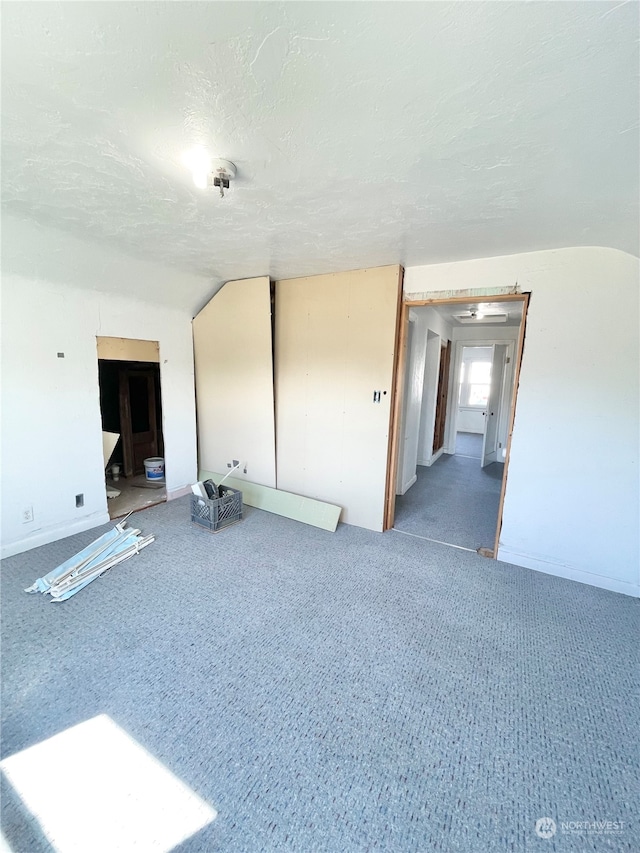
column 453, row 300
column 442, row 398
column 395, row 413
column 512, row 415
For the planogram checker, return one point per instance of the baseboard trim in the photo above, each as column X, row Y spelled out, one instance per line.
column 560, row 571
column 180, row 492
column 408, row 485
column 433, row 458
column 53, row 534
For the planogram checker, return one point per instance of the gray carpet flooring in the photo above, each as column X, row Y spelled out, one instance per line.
column 469, row 444
column 454, row 500
column 338, row 692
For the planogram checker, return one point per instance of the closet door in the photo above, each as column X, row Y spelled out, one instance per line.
column 334, row 355
column 232, row 343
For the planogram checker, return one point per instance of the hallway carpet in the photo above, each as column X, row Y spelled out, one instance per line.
column 454, row 501
column 469, row 444
column 336, row 693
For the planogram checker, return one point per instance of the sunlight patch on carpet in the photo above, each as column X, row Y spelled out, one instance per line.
column 92, row 787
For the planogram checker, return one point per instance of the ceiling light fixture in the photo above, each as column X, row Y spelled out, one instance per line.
column 223, row 172
column 479, row 317
column 207, row 171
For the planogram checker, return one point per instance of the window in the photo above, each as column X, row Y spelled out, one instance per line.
column 475, row 383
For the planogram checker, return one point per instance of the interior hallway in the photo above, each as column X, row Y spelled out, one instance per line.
column 454, row 500
column 469, row 444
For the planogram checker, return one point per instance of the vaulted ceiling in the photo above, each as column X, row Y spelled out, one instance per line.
column 363, row 133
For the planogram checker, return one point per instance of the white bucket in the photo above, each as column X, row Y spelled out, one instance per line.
column 154, row 468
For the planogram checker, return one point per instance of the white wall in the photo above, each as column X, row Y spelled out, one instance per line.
column 571, row 506
column 51, row 446
column 485, row 332
column 427, row 331
column 412, row 403
column 434, row 322
column 438, row 332
column 429, row 398
column 40, row 253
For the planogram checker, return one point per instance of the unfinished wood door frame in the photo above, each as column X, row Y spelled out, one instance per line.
column 394, row 432
column 512, row 414
column 442, row 401
column 395, row 411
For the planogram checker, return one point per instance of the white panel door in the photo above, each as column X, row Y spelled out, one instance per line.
column 492, row 414
column 232, row 343
column 334, row 352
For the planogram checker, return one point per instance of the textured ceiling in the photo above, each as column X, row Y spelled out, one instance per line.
column 450, row 313
column 364, row 133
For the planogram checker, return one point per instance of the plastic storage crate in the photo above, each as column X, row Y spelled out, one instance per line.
column 217, row 513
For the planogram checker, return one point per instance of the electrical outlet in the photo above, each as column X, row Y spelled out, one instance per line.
column 27, row 514
column 79, row 500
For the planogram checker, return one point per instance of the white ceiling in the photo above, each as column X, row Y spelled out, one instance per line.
column 450, row 312
column 364, row 133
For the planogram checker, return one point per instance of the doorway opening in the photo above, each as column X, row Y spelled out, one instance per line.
column 131, row 408
column 454, row 422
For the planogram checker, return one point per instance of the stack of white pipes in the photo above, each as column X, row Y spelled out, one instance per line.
column 97, row 558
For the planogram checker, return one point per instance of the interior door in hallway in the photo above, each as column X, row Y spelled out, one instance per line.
column 492, row 413
column 334, row 355
column 137, row 418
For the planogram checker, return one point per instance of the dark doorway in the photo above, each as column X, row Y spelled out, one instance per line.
column 139, row 401
column 131, row 405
